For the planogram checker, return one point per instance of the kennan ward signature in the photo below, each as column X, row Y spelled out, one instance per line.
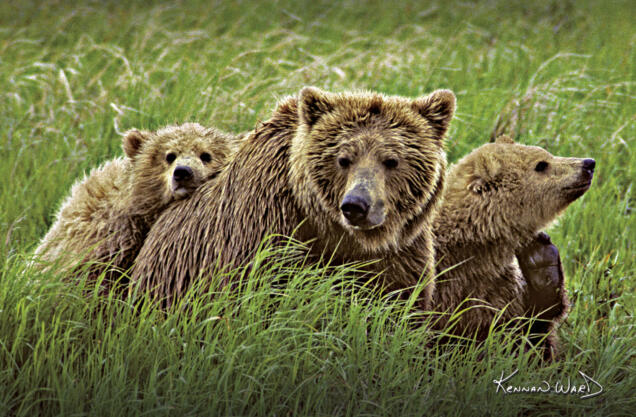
column 587, row 389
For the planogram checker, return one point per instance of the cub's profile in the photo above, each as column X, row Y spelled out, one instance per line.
column 497, row 200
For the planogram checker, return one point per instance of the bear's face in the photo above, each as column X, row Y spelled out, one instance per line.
column 522, row 186
column 372, row 163
column 170, row 163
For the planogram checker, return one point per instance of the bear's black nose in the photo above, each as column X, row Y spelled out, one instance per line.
column 589, row 164
column 355, row 208
column 182, row 173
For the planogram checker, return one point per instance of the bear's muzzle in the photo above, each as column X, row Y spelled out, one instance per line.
column 360, row 210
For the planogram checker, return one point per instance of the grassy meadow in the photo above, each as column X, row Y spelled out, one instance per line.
column 75, row 75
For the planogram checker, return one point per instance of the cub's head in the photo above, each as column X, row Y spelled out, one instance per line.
column 507, row 185
column 170, row 163
column 373, row 164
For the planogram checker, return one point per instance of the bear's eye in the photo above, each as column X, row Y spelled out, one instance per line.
column 206, row 157
column 390, row 163
column 170, row 157
column 344, row 162
column 541, row 166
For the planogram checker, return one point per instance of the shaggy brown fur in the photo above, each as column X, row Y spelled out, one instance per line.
column 496, row 201
column 108, row 213
column 365, row 172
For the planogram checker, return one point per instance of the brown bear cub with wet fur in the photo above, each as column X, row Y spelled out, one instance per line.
column 108, row 213
column 496, row 201
column 358, row 174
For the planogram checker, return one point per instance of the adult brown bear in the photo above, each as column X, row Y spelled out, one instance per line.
column 358, row 174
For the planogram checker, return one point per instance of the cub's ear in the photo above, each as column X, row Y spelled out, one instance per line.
column 438, row 108
column 482, row 173
column 504, row 139
column 313, row 103
column 477, row 185
column 133, row 139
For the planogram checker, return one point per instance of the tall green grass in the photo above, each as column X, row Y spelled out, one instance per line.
column 306, row 340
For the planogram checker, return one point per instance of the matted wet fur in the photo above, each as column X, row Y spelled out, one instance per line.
column 359, row 173
column 496, row 201
column 105, row 218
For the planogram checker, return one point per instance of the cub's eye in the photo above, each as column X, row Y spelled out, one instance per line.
column 390, row 163
column 206, row 157
column 344, row 162
column 170, row 157
column 541, row 166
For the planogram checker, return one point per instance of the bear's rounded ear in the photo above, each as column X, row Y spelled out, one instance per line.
column 476, row 185
column 438, row 108
column 482, row 170
column 504, row 139
column 133, row 139
column 313, row 103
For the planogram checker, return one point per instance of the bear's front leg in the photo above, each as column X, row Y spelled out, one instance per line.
column 545, row 296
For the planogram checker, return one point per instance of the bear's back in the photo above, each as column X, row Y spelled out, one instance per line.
column 82, row 217
column 226, row 219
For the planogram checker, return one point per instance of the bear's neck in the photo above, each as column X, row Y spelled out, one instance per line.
column 476, row 248
column 145, row 203
column 464, row 223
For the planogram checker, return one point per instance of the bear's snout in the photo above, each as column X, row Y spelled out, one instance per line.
column 183, row 181
column 581, row 182
column 182, row 174
column 362, row 209
column 355, row 208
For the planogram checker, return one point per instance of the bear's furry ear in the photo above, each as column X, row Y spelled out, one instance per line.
column 504, row 139
column 313, row 103
column 438, row 108
column 477, row 185
column 481, row 173
column 133, row 139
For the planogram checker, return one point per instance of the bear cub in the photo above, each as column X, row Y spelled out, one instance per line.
column 107, row 215
column 488, row 245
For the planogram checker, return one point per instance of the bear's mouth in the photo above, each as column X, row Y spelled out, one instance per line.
column 362, row 227
column 582, row 185
column 180, row 192
column 578, row 189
